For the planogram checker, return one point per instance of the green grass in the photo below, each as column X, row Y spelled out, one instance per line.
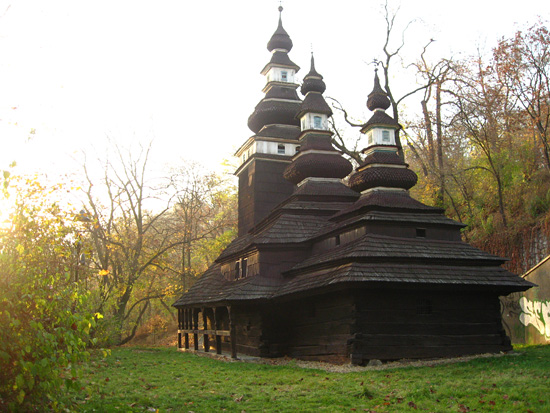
column 151, row 379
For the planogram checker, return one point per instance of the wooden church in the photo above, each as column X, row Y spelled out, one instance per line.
column 334, row 269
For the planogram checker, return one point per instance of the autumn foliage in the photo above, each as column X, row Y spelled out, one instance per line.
column 44, row 322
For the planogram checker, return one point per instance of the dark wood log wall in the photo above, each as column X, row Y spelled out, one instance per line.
column 315, row 329
column 422, row 324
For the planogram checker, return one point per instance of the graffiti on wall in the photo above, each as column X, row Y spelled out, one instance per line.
column 537, row 314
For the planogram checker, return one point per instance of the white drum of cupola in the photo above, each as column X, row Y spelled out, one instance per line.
column 381, row 136
column 314, row 121
column 275, row 148
column 280, row 74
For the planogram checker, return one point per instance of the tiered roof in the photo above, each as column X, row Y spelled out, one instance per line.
column 281, row 102
column 371, row 233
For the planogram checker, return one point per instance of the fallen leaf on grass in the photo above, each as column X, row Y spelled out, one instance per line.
column 413, row 405
column 239, row 399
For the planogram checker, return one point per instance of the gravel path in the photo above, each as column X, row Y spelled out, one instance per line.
column 346, row 368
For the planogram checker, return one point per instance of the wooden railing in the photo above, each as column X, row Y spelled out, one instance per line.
column 188, row 323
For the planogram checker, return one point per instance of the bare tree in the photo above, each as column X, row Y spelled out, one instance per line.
column 128, row 239
column 389, row 54
column 523, row 66
column 204, row 210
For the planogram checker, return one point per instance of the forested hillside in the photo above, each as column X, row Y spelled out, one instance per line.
column 476, row 131
column 481, row 149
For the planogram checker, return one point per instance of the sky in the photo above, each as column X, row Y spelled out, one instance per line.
column 75, row 75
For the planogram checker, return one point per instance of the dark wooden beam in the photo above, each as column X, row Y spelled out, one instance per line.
column 233, row 335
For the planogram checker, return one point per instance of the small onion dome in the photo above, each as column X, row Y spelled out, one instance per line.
column 280, row 39
column 314, row 103
column 317, row 165
column 269, row 112
column 382, row 176
column 313, row 82
column 378, row 99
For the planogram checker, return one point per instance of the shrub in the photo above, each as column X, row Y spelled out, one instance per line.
column 44, row 324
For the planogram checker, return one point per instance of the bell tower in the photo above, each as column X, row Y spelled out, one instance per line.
column 266, row 154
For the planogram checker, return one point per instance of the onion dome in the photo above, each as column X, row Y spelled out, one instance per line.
column 317, row 165
column 280, row 39
column 378, row 99
column 269, row 112
column 313, row 88
column 382, row 176
column 313, row 82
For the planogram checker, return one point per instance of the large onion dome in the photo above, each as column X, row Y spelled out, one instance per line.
column 270, row 112
column 280, row 39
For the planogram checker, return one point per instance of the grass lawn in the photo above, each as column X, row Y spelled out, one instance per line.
column 160, row 379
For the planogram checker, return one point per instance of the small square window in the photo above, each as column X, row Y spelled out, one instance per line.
column 281, row 149
column 284, row 76
column 385, row 136
column 297, row 149
column 317, row 122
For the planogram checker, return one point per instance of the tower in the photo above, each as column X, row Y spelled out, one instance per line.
column 265, row 155
column 383, row 171
column 316, row 159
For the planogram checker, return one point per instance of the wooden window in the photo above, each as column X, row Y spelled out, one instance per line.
column 337, row 239
column 317, row 122
column 297, row 149
column 421, row 232
column 369, row 138
column 385, row 136
column 281, row 149
column 244, row 268
column 237, row 270
column 284, row 76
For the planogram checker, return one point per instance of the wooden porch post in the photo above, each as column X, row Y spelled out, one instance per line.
column 186, row 326
column 195, row 327
column 180, row 326
column 206, row 342
column 218, row 337
column 232, row 333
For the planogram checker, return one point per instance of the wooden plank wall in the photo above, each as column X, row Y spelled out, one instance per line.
column 414, row 324
column 248, row 329
column 319, row 329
